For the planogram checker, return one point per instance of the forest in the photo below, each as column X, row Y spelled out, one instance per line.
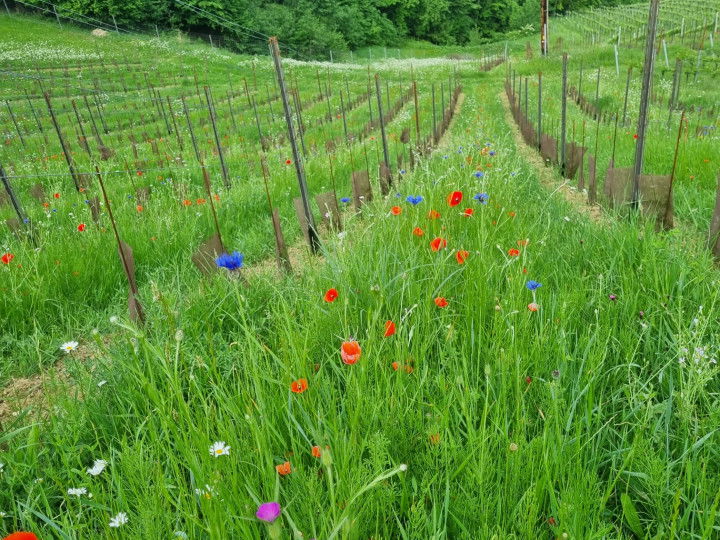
column 312, row 27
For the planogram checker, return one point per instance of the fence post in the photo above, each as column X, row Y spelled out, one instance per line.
column 386, row 153
column 644, row 101
column 539, row 130
column 115, row 24
column 563, row 115
column 627, row 90
column 299, row 168
column 218, row 143
column 66, row 150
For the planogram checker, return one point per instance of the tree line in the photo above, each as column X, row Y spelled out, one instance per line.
column 313, row 27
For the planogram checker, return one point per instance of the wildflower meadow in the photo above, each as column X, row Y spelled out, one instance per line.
column 255, row 297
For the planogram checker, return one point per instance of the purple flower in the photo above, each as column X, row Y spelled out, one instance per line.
column 492, row 152
column 612, row 297
column 268, row 511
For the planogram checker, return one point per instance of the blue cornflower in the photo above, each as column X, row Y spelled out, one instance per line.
column 231, row 262
column 26, row 220
column 129, row 196
column 532, row 285
column 445, row 157
column 54, row 210
column 488, row 144
column 479, row 174
column 414, row 199
column 87, row 202
column 398, row 195
column 345, row 199
column 402, row 171
column 482, row 198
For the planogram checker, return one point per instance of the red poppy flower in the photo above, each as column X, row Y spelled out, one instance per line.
column 288, row 162
column 533, row 306
column 551, row 521
column 139, row 173
column 417, row 231
column 81, row 227
column 21, row 535
column 139, row 208
column 331, row 295
column 299, row 386
column 528, row 379
column 56, row 195
column 395, row 366
column 201, row 201
column 468, row 212
column 455, row 198
column 396, row 210
column 441, row 302
column 389, row 328
column 635, row 136
column 284, row 468
column 461, row 256
column 350, row 352
column 438, row 243
column 316, row 451
column 187, row 202
column 433, row 214
column 513, row 252
column 7, row 258
column 46, row 205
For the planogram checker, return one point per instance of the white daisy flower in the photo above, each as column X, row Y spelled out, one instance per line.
column 78, row 492
column 119, row 520
column 219, row 449
column 98, row 467
column 69, row 346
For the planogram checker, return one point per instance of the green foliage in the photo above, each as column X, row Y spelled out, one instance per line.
column 313, row 28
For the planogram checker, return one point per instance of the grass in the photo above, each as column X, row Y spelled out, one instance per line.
column 594, row 416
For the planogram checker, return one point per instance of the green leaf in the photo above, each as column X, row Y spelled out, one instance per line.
column 631, row 516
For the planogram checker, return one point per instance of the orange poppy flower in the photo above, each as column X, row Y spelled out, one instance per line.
column 316, row 451
column 396, row 210
column 46, row 205
column 438, row 243
column 56, row 195
column 441, row 302
column 139, row 208
column 417, row 231
column 533, row 306
column 468, row 212
column 455, row 198
column 331, row 295
column 395, row 366
column 389, row 328
column 201, row 201
column 511, row 213
column 299, row 386
column 350, row 352
column 187, row 202
column 461, row 256
column 513, row 252
column 433, row 214
column 283, row 469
